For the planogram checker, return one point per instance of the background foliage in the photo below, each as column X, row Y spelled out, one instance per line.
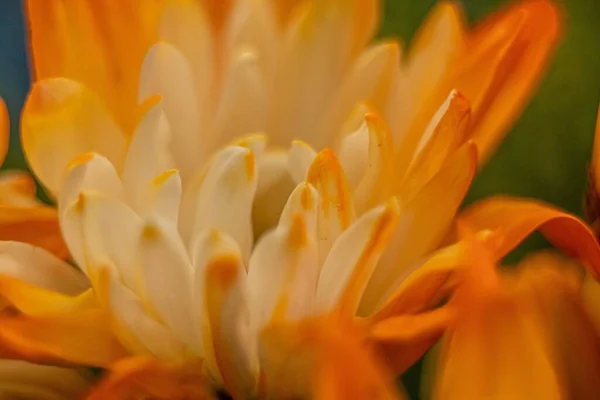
column 544, row 156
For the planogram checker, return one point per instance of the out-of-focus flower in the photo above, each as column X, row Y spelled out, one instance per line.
column 22, row 216
column 161, row 217
column 519, row 333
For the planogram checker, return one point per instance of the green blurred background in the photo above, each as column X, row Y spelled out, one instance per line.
column 544, row 156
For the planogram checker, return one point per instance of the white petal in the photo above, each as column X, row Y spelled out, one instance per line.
column 166, row 72
column 283, row 273
column 109, row 229
column 165, row 197
column 166, row 272
column 320, row 46
column 128, row 309
column 304, row 200
column 231, row 324
column 354, row 154
column 185, row 26
column 40, row 268
column 91, row 172
column 301, row 156
column 243, row 103
column 224, row 198
column 353, row 258
column 148, row 155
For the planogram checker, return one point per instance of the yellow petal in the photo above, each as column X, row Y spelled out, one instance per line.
column 135, row 377
column 98, row 42
column 285, row 8
column 424, row 222
column 81, row 338
column 515, row 219
column 56, row 113
column 4, row 131
column 35, row 300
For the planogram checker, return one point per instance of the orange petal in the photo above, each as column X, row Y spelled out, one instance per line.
column 34, row 225
column 4, row 131
column 514, row 219
column 336, row 210
column 286, row 8
column 78, row 338
column 513, row 47
column 218, row 11
column 439, row 41
column 100, row 43
column 496, row 349
column 322, row 358
column 441, row 139
column 135, row 377
column 407, row 328
column 424, row 221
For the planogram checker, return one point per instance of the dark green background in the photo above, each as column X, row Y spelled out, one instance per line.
column 545, row 154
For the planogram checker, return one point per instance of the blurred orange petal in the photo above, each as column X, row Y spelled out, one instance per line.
column 78, row 338
column 515, row 219
column 112, row 37
column 4, row 131
column 135, row 377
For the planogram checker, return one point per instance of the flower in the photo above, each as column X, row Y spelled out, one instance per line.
column 524, row 332
column 185, row 180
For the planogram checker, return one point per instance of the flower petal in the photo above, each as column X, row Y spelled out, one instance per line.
column 300, row 158
column 321, row 358
column 353, row 258
column 516, row 68
column 138, row 376
column 515, row 219
column 23, row 380
column 169, row 293
column 40, row 268
column 243, row 104
column 138, row 331
column 283, row 272
column 89, row 172
column 230, row 182
column 167, row 73
column 438, row 42
column 424, row 222
column 165, row 197
column 444, row 135
column 339, row 29
column 148, row 156
column 336, row 211
column 82, row 338
column 34, row 300
column 228, row 316
column 56, row 112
